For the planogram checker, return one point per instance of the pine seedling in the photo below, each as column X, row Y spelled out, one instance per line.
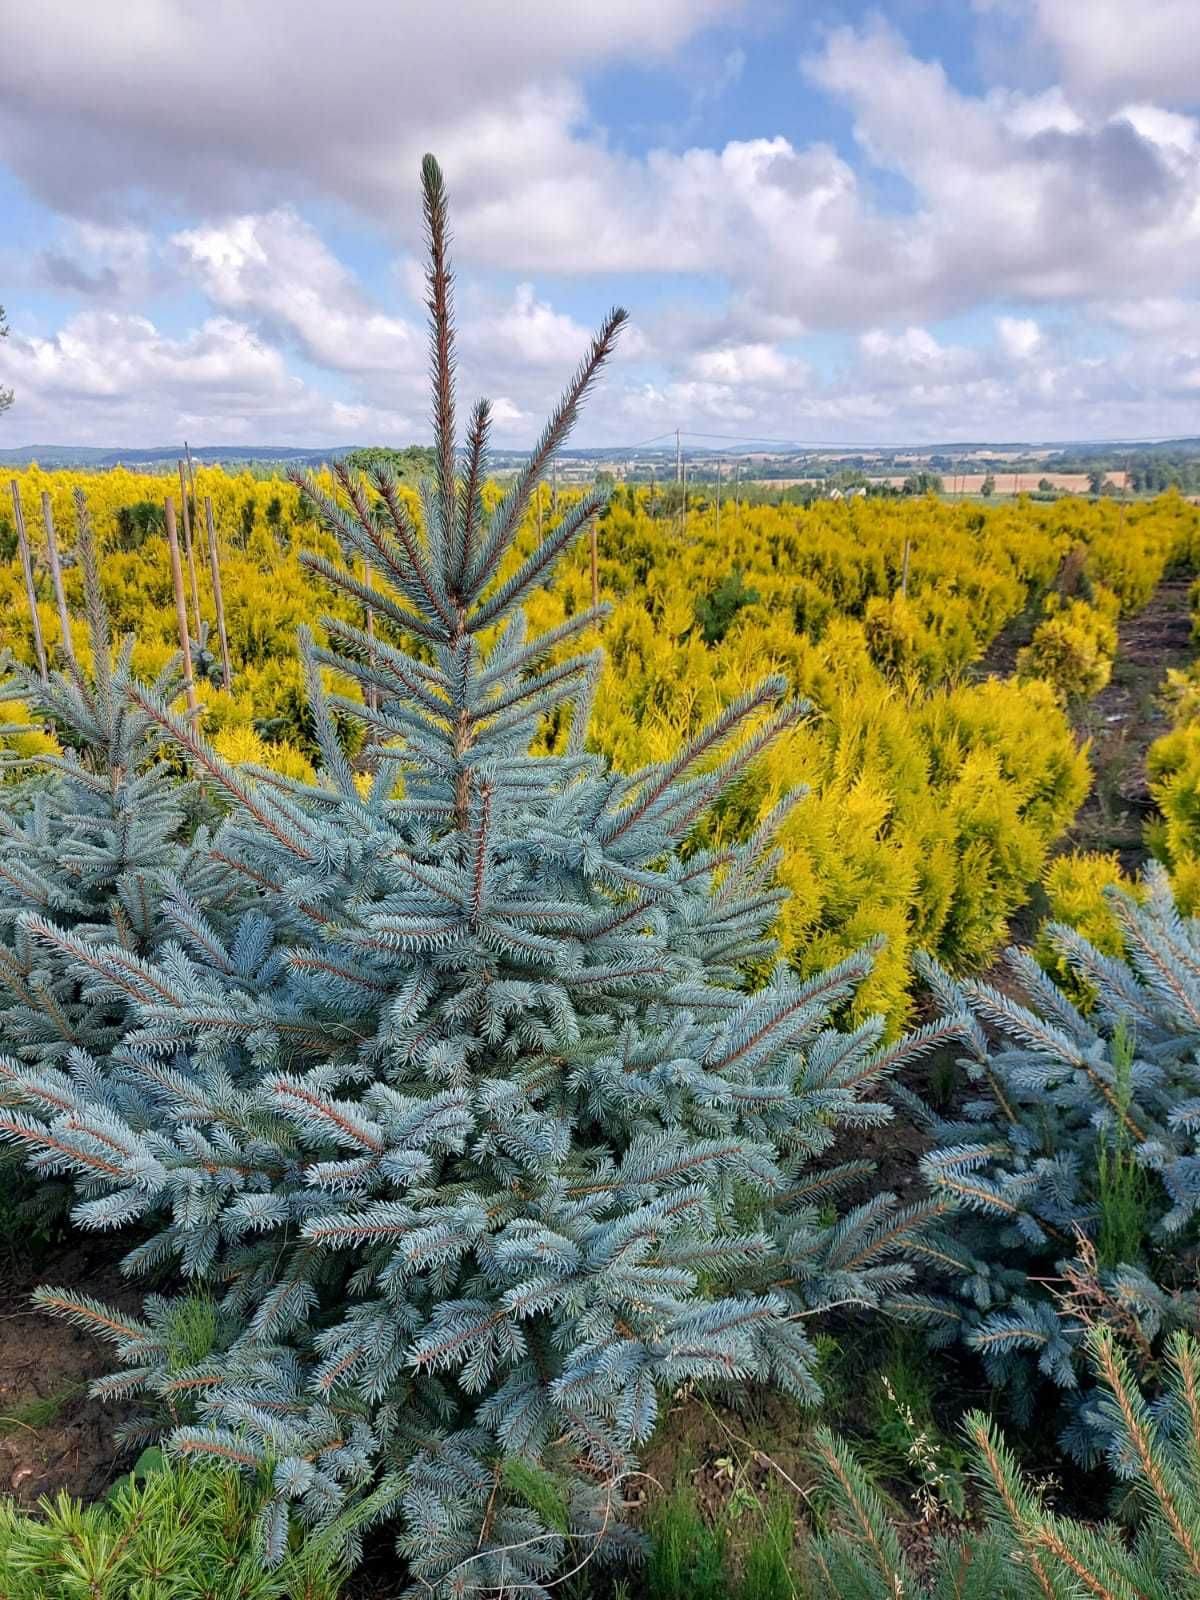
column 1122, row 1185
column 1018, row 1548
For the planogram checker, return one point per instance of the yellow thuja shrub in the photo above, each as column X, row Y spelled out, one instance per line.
column 22, row 738
column 1072, row 649
column 240, row 745
column 1076, row 888
column 1173, row 767
column 933, row 800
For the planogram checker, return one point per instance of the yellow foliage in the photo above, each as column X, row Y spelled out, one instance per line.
column 1072, row 649
column 1075, row 886
column 240, row 745
column 933, row 798
column 22, row 737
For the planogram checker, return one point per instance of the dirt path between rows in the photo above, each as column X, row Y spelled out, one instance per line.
column 1123, row 721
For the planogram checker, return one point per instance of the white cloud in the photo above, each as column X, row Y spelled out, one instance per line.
column 754, row 364
column 276, row 267
column 122, row 380
column 1022, row 197
column 1113, row 51
column 1083, row 197
column 1020, row 337
column 216, row 106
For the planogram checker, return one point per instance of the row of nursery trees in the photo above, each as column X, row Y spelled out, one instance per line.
column 464, row 1110
column 936, row 794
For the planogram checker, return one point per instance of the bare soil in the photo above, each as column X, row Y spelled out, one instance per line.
column 52, row 1436
column 1123, row 721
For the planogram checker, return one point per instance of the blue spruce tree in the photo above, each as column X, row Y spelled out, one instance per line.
column 93, row 840
column 1071, row 1171
column 474, row 1127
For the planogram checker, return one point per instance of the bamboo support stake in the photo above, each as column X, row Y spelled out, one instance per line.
column 181, row 622
column 64, row 616
column 904, row 570
column 214, row 562
column 188, row 548
column 39, row 644
column 369, row 615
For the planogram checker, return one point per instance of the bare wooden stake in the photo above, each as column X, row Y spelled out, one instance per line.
column 372, row 692
column 904, row 570
column 718, row 499
column 64, row 616
column 188, row 549
column 30, row 591
column 214, row 562
column 181, row 621
column 539, row 509
column 554, row 490
column 595, row 569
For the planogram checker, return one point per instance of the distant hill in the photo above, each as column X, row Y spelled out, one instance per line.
column 77, row 455
column 789, row 459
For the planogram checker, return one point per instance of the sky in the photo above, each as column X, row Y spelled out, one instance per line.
column 918, row 221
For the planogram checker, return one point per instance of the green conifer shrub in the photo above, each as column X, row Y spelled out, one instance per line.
column 171, row 1532
column 1020, row 1549
column 473, row 1126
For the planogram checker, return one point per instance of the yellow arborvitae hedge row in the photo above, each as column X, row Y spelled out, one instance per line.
column 934, row 793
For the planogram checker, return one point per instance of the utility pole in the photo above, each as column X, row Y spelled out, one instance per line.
column 678, row 458
column 737, row 490
column 554, row 490
column 683, row 524
column 719, row 466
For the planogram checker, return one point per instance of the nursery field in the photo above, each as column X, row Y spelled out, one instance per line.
column 506, row 1081
column 937, row 785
